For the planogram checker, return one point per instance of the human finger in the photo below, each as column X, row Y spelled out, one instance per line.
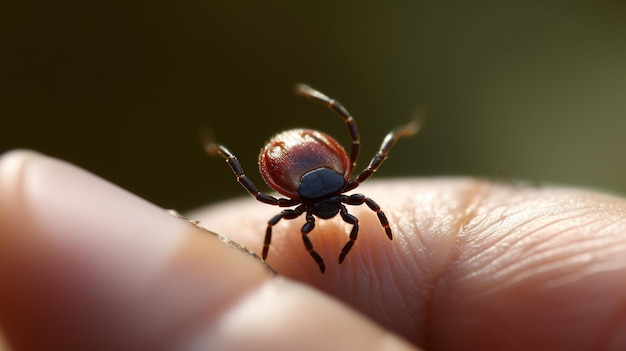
column 85, row 265
column 473, row 263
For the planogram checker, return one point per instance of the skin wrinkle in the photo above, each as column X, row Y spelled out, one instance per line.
column 564, row 213
column 408, row 224
column 490, row 237
column 495, row 258
column 406, row 261
column 401, row 267
column 474, row 195
column 393, row 294
column 549, row 255
column 505, row 246
column 403, row 270
column 592, row 266
column 494, row 243
column 546, row 256
column 582, row 244
column 464, row 232
column 472, row 205
column 571, row 260
column 374, row 272
column 371, row 255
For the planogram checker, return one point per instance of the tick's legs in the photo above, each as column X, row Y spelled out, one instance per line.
column 216, row 149
column 391, row 138
column 381, row 216
column 358, row 199
column 306, row 229
column 286, row 214
column 334, row 105
column 348, row 218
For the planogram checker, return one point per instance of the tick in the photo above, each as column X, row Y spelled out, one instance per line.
column 314, row 171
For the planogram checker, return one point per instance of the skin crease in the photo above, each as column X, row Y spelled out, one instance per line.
column 473, row 265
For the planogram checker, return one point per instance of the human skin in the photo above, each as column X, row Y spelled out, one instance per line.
column 473, row 265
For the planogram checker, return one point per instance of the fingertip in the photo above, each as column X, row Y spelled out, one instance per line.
column 73, row 246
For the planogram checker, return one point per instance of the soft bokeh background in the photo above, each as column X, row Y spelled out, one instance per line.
column 514, row 89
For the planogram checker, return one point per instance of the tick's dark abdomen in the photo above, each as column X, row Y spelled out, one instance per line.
column 320, row 183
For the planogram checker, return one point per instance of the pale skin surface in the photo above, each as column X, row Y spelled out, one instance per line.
column 473, row 265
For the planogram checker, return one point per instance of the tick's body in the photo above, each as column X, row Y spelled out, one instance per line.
column 292, row 154
column 313, row 171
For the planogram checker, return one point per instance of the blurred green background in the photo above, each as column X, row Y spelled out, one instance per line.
column 514, row 89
